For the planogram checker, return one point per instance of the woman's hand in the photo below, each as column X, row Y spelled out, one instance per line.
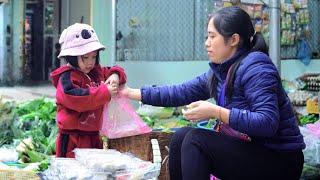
column 134, row 94
column 200, row 110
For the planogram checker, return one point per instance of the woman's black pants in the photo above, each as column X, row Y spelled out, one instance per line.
column 197, row 153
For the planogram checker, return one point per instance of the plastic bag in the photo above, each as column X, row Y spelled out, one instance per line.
column 101, row 160
column 312, row 150
column 8, row 155
column 315, row 128
column 66, row 168
column 118, row 166
column 304, row 52
column 121, row 120
column 155, row 111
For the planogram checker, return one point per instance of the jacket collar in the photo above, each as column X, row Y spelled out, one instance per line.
column 221, row 70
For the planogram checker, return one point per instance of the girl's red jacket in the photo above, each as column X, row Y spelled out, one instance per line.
column 80, row 97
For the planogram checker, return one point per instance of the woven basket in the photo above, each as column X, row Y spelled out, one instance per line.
column 141, row 147
column 18, row 175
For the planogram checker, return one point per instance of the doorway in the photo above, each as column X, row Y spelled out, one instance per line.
column 39, row 37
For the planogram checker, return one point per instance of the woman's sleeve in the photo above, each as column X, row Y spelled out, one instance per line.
column 177, row 95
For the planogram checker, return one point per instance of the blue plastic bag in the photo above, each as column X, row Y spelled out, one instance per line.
column 304, row 52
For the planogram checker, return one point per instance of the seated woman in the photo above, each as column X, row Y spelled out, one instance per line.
column 257, row 136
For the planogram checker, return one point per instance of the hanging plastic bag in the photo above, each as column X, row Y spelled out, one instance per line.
column 304, row 52
column 121, row 120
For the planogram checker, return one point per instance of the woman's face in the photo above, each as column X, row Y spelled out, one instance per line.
column 87, row 62
column 218, row 50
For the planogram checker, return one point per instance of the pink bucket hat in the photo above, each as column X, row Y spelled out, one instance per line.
column 79, row 39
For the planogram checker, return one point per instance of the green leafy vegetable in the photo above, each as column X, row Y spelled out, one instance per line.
column 308, row 119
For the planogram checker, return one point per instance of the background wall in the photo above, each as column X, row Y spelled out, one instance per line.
column 73, row 10
column 11, row 15
column 101, row 20
column 17, row 37
column 159, row 73
column 291, row 69
column 2, row 43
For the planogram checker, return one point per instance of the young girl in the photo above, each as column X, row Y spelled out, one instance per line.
column 83, row 87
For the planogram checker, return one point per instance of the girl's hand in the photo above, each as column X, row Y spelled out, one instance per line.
column 113, row 79
column 200, row 110
column 112, row 84
column 113, row 89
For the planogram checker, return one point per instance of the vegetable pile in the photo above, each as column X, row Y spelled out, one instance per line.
column 307, row 119
column 163, row 119
column 30, row 128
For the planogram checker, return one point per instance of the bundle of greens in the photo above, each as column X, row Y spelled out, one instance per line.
column 211, row 123
column 310, row 172
column 167, row 124
column 307, row 119
column 29, row 157
column 30, row 127
column 6, row 120
column 36, row 120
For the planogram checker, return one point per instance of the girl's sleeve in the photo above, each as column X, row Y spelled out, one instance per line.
column 177, row 95
column 71, row 95
column 107, row 71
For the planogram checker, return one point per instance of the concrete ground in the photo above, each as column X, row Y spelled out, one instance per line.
column 23, row 93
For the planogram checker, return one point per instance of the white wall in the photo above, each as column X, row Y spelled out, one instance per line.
column 73, row 10
column 17, row 38
column 1, row 40
column 79, row 8
column 160, row 73
column 291, row 69
column 5, row 51
column 102, row 12
column 148, row 73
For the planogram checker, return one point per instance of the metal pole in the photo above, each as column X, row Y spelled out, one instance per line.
column 113, row 33
column 274, row 39
column 68, row 13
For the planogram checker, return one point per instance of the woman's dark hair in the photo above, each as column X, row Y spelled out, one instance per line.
column 234, row 20
column 73, row 60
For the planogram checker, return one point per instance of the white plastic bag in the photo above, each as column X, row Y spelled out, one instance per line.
column 312, row 150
